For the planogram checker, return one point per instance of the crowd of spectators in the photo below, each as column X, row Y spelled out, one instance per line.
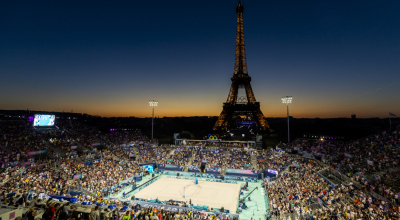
column 273, row 160
column 371, row 157
column 160, row 154
column 213, row 157
column 370, row 163
column 302, row 190
column 239, row 159
column 179, row 156
column 17, row 139
column 99, row 177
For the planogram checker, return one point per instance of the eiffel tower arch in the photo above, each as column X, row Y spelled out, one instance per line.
column 239, row 106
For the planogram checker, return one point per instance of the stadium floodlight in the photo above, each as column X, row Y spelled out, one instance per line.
column 286, row 100
column 152, row 103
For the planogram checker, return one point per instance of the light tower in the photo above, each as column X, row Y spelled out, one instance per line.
column 287, row 100
column 152, row 103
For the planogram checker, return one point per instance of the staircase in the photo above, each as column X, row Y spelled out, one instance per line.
column 57, row 150
column 254, row 162
column 82, row 146
column 223, row 168
column 189, row 163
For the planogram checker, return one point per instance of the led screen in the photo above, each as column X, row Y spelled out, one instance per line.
column 44, row 120
column 273, row 171
column 149, row 168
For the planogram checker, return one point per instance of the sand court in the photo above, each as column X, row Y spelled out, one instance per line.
column 212, row 194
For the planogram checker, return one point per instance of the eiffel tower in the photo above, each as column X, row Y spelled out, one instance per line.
column 235, row 106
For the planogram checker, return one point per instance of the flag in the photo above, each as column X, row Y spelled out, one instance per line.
column 392, row 115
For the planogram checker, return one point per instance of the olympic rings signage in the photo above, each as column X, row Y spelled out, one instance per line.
column 213, row 137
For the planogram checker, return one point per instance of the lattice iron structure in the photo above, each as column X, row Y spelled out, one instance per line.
column 238, row 106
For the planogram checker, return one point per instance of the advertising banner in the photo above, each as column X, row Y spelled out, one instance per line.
column 96, row 144
column 214, row 170
column 73, row 147
column 170, row 167
column 209, row 175
column 241, row 178
column 173, row 173
column 251, row 173
column 194, row 169
column 272, row 171
column 370, row 162
column 226, row 177
column 78, row 176
column 348, row 155
column 37, row 152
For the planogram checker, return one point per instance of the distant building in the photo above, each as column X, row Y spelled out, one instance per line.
column 353, row 116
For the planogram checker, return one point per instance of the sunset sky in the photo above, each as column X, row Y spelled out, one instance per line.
column 109, row 58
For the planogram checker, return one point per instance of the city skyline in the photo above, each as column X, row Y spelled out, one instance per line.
column 110, row 58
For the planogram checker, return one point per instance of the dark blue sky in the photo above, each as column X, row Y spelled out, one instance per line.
column 109, row 58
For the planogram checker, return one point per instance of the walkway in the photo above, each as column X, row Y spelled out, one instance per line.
column 254, row 162
column 189, row 163
column 57, row 150
column 256, row 208
column 223, row 167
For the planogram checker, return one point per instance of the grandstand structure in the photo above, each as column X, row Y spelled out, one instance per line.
column 305, row 178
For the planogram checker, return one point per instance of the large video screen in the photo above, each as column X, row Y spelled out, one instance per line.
column 148, row 168
column 44, row 120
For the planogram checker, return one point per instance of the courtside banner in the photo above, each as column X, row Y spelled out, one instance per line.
column 241, row 178
column 173, row 173
column 194, row 169
column 213, row 170
column 210, row 176
column 170, row 167
column 251, row 173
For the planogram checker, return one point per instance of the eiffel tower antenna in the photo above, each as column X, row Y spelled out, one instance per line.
column 239, row 106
